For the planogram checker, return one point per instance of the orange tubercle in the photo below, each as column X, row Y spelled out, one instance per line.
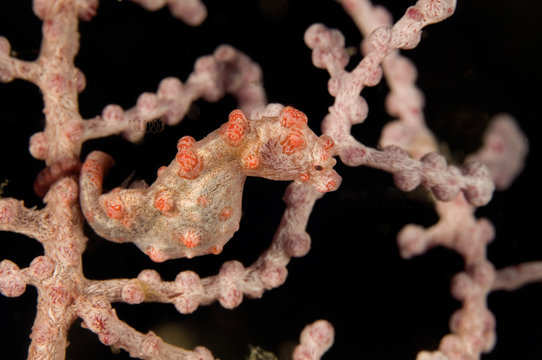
column 294, row 141
column 186, row 142
column 190, row 165
column 190, row 239
column 203, row 201
column 327, row 142
column 215, row 250
column 226, row 213
column 292, row 117
column 331, row 185
column 126, row 221
column 234, row 130
column 163, row 201
column 251, row 162
column 237, row 116
column 113, row 208
column 161, row 170
column 155, row 254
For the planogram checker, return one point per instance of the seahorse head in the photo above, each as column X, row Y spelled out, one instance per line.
column 289, row 150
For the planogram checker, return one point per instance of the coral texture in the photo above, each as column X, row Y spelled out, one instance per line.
column 86, row 60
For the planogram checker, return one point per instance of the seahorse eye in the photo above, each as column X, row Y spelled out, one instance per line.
column 318, row 168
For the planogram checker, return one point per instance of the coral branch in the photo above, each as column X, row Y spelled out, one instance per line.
column 504, row 150
column 513, row 277
column 233, row 281
column 194, row 206
column 315, row 340
column 349, row 108
column 100, row 318
column 226, row 71
column 12, row 280
column 473, row 326
column 12, row 68
column 17, row 218
column 192, row 12
column 432, row 172
column 457, row 229
column 53, row 320
column 405, row 101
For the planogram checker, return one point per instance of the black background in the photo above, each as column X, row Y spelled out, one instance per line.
column 484, row 60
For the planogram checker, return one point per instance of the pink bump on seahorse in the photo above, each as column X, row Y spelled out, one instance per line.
column 194, row 206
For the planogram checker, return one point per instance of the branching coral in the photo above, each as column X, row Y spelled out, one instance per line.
column 65, row 294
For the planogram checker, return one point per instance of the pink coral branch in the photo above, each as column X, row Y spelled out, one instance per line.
column 513, row 277
column 243, row 146
column 50, row 331
column 504, row 150
column 226, row 71
column 233, row 281
column 12, row 279
column 100, row 318
column 432, row 171
column 192, row 12
column 315, row 340
column 12, row 68
column 473, row 326
column 457, row 229
column 349, row 108
column 405, row 100
column 14, row 216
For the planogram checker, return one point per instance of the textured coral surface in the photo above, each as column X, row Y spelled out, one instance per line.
column 482, row 61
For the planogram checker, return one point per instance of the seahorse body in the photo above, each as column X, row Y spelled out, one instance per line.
column 194, row 206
